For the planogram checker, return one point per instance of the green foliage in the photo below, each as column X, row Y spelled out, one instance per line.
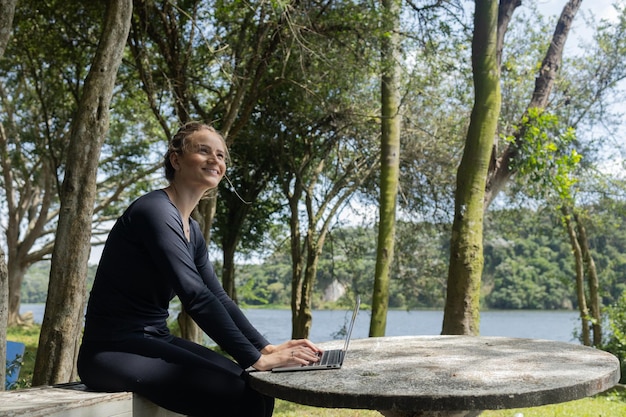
column 528, row 264
column 272, row 279
column 615, row 316
column 30, row 337
column 35, row 286
column 253, row 294
column 42, row 76
column 545, row 155
column 13, row 366
column 421, row 266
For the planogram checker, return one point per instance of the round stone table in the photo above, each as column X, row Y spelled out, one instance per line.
column 447, row 375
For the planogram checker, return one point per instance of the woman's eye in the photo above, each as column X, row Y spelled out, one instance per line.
column 206, row 150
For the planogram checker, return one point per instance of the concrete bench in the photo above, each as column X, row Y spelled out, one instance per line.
column 75, row 400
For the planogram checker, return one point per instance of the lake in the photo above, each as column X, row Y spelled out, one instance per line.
column 276, row 324
column 551, row 325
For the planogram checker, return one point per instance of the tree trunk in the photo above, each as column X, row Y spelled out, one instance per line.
column 304, row 318
column 390, row 163
column 4, row 288
column 237, row 212
column 15, row 279
column 4, row 295
column 188, row 328
column 461, row 313
column 62, row 323
column 302, row 285
column 296, row 262
column 6, row 24
column 204, row 214
column 505, row 13
column 592, row 279
column 228, row 269
column 580, row 279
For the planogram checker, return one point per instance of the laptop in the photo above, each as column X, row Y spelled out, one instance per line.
column 330, row 359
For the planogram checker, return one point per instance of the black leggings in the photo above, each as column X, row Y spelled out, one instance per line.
column 178, row 375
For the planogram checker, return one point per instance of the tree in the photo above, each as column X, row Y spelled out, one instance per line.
column 4, row 291
column 461, row 313
column 436, row 101
column 502, row 169
column 248, row 204
column 171, row 32
column 322, row 161
column 306, row 181
column 261, row 58
column 245, row 47
column 6, row 23
column 62, row 324
column 581, row 101
column 390, row 162
column 321, row 127
column 503, row 166
column 591, row 90
column 43, row 77
column 580, row 275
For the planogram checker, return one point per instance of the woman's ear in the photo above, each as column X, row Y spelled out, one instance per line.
column 174, row 160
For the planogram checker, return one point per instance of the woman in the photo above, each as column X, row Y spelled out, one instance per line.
column 156, row 251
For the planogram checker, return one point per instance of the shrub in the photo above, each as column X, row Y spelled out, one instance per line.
column 615, row 316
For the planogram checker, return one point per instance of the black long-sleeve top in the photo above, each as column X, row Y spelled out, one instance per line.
column 146, row 261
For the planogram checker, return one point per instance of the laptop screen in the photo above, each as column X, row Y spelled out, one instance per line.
column 351, row 326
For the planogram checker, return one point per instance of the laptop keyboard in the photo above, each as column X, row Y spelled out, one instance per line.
column 328, row 357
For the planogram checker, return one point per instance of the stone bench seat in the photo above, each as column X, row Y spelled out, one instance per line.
column 75, row 400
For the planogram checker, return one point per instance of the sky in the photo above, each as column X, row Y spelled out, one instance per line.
column 600, row 8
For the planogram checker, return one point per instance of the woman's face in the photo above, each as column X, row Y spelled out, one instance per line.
column 203, row 163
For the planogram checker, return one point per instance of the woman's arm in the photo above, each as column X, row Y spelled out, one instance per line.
column 210, row 279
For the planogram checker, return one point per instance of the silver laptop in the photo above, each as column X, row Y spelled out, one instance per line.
column 329, row 359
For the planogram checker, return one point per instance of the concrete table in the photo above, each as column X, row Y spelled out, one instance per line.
column 447, row 375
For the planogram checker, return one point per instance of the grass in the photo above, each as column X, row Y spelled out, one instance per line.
column 604, row 405
column 612, row 404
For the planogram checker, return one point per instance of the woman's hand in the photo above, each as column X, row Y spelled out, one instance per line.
column 292, row 352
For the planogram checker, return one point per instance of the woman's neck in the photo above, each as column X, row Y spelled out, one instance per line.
column 184, row 199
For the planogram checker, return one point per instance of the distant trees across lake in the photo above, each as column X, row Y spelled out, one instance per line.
column 528, row 265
